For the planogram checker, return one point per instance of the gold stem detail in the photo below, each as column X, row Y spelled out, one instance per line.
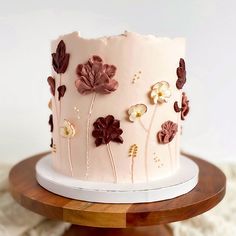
column 147, row 142
column 112, row 162
column 88, row 134
column 69, row 155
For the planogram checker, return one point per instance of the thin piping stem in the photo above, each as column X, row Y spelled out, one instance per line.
column 69, row 155
column 88, row 133
column 112, row 162
column 147, row 142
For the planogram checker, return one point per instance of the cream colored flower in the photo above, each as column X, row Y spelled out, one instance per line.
column 68, row 130
column 50, row 104
column 136, row 111
column 160, row 92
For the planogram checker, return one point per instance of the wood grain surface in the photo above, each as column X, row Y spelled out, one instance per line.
column 24, row 188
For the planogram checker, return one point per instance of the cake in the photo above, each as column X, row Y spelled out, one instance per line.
column 117, row 107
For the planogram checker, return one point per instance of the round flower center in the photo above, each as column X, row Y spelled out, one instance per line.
column 138, row 114
column 160, row 94
column 67, row 132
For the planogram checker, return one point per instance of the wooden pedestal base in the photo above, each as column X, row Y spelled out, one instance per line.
column 160, row 230
column 104, row 219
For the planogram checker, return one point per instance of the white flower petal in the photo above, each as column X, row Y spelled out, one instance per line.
column 155, row 99
column 132, row 117
column 131, row 110
column 167, row 93
column 142, row 108
column 157, row 85
column 154, row 93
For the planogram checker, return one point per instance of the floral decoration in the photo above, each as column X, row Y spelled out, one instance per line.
column 52, row 84
column 107, row 129
column 50, row 104
column 184, row 109
column 136, row 111
column 50, row 122
column 167, row 132
column 60, row 59
column 51, row 144
column 181, row 73
column 68, row 130
column 133, row 150
column 160, row 92
column 61, row 91
column 94, row 76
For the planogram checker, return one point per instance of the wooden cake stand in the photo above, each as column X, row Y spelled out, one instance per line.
column 90, row 219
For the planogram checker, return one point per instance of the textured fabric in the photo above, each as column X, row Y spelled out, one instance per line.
column 219, row 221
column 17, row 221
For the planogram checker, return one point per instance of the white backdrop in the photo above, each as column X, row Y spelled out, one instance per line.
column 26, row 28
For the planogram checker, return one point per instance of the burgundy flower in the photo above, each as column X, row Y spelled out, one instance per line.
column 52, row 84
column 94, row 76
column 61, row 91
column 181, row 73
column 184, row 109
column 50, row 122
column 60, row 59
column 107, row 129
column 167, row 132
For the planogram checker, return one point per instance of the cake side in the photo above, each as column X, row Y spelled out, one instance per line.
column 117, row 107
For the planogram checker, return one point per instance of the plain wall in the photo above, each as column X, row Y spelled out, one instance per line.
column 26, row 28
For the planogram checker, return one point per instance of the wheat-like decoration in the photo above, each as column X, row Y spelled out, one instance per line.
column 133, row 150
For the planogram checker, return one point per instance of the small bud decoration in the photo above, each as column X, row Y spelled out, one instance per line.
column 61, row 91
column 52, row 84
column 50, row 122
column 136, row 111
column 160, row 92
column 50, row 104
column 181, row 74
column 184, row 109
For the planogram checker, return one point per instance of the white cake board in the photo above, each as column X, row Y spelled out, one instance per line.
column 183, row 181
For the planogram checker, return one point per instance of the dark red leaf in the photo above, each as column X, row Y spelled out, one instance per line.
column 61, row 91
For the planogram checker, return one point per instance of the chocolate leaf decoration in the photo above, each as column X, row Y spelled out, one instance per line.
column 52, row 84
column 181, row 74
column 60, row 59
column 184, row 109
column 61, row 91
column 176, row 107
column 185, row 106
column 50, row 122
column 51, row 144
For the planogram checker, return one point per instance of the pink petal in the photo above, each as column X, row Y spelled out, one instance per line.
column 110, row 70
column 82, row 87
column 96, row 59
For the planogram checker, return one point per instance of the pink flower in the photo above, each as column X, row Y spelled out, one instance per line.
column 167, row 132
column 94, row 76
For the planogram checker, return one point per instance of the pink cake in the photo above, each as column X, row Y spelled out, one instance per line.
column 117, row 107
